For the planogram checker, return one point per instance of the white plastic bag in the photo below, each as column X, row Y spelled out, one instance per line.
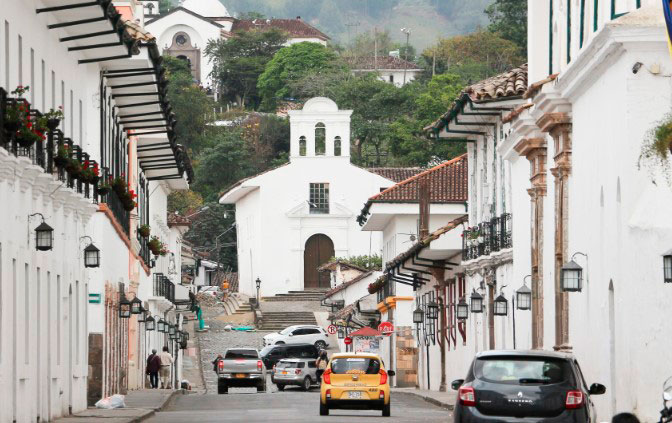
column 115, row 401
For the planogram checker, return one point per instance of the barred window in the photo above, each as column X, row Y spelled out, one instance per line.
column 337, row 146
column 319, row 199
column 320, row 139
column 302, row 146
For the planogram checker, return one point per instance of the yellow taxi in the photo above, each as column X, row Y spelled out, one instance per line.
column 355, row 381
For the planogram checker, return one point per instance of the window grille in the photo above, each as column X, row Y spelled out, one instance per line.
column 319, row 198
column 320, row 139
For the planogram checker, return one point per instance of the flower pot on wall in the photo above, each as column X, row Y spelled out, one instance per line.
column 52, row 124
column 11, row 126
column 25, row 142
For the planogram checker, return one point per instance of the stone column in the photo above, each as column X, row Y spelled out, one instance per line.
column 534, row 149
column 559, row 126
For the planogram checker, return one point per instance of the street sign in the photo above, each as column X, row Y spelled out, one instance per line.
column 347, row 341
column 94, row 298
column 332, row 329
column 386, row 328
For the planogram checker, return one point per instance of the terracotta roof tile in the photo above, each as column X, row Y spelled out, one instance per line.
column 177, row 220
column 297, row 28
column 396, row 174
column 137, row 32
column 383, row 62
column 344, row 285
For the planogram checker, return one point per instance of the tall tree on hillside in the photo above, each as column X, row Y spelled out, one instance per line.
column 292, row 63
column 509, row 19
column 165, row 6
column 239, row 61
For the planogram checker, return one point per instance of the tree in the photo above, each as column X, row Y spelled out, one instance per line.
column 292, row 63
column 165, row 6
column 184, row 202
column 508, row 18
column 238, row 62
column 212, row 233
column 368, row 43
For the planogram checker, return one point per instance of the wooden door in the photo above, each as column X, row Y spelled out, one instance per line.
column 319, row 249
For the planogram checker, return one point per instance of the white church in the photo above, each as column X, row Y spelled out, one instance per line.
column 185, row 31
column 295, row 217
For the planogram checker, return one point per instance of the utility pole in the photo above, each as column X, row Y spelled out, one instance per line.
column 406, row 31
column 375, row 48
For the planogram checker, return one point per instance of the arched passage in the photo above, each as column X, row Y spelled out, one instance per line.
column 319, row 249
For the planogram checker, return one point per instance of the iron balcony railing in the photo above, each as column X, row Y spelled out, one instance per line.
column 144, row 249
column 388, row 290
column 163, row 287
column 487, row 237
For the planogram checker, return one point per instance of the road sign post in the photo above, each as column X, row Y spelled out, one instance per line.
column 331, row 329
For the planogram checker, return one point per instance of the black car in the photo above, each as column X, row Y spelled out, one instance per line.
column 271, row 354
column 525, row 386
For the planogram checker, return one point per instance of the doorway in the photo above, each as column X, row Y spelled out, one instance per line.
column 319, row 249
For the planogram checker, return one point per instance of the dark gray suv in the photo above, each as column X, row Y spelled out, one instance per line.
column 525, row 386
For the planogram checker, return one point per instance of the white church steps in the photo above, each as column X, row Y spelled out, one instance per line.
column 276, row 321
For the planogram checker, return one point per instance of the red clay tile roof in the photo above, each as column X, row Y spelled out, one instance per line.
column 344, row 285
column 177, row 220
column 297, row 28
column 396, row 174
column 383, row 62
column 447, row 184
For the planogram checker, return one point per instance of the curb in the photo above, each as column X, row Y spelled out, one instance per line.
column 152, row 411
column 428, row 399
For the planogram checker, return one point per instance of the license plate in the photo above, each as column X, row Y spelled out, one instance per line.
column 241, row 375
column 284, row 373
column 354, row 394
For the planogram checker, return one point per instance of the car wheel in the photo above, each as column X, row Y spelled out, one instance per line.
column 221, row 387
column 324, row 410
column 320, row 345
column 261, row 387
column 386, row 410
column 281, row 387
column 306, row 383
column 279, row 343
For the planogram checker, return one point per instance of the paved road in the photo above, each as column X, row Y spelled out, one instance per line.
column 290, row 406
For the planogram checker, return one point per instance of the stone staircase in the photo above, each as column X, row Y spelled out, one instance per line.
column 237, row 303
column 277, row 321
column 310, row 294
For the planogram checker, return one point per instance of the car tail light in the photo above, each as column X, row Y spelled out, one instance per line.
column 328, row 394
column 297, row 371
column 260, row 365
column 383, row 377
column 574, row 399
column 467, row 396
column 220, row 365
column 326, row 377
column 381, row 395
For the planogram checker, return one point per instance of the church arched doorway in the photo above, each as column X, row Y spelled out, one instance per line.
column 319, row 249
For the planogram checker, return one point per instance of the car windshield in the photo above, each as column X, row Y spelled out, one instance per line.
column 286, row 331
column 238, row 354
column 355, row 365
column 522, row 370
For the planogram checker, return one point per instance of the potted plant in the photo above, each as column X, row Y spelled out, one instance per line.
column 30, row 131
column 657, row 148
column 53, row 117
column 62, row 155
column 17, row 111
column 90, row 172
column 155, row 245
column 104, row 188
column 377, row 285
column 144, row 231
column 74, row 167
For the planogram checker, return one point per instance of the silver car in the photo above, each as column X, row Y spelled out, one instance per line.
column 295, row 371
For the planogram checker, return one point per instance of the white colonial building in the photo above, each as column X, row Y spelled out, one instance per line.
column 186, row 30
column 391, row 69
column 294, row 218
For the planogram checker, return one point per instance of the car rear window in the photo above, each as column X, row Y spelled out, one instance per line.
column 522, row 370
column 355, row 365
column 290, row 365
column 244, row 354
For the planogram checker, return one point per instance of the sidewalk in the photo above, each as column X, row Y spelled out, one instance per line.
column 140, row 405
column 441, row 399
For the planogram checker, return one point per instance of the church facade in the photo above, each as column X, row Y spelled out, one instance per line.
column 185, row 31
column 294, row 218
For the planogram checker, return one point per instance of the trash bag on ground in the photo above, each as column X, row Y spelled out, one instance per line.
column 115, row 401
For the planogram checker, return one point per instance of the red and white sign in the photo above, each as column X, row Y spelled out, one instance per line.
column 347, row 341
column 386, row 328
column 331, row 329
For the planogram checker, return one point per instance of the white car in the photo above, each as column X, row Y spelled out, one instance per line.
column 300, row 334
column 210, row 290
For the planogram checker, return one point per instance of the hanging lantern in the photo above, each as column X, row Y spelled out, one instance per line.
column 500, row 306
column 341, row 334
column 572, row 277
column 162, row 326
column 91, row 256
column 124, row 307
column 462, row 310
column 524, row 298
column 476, row 302
column 136, row 305
column 171, row 330
column 667, row 267
column 432, row 310
column 418, row 316
column 150, row 323
column 44, row 237
column 142, row 318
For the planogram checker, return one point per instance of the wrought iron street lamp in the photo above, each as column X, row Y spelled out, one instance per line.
column 124, row 307
column 500, row 306
column 162, row 326
column 258, row 283
column 476, row 302
column 667, row 267
column 136, row 305
column 432, row 310
column 341, row 333
column 171, row 330
column 150, row 323
column 572, row 275
column 418, row 316
column 91, row 253
column 524, row 296
column 142, row 318
column 44, row 235
column 462, row 310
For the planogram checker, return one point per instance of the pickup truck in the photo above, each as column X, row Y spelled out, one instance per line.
column 241, row 367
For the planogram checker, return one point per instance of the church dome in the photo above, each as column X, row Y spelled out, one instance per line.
column 207, row 8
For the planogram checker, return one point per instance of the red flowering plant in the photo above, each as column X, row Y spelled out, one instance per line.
column 156, row 246
column 90, row 172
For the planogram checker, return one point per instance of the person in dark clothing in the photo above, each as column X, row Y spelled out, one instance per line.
column 153, row 367
column 321, row 364
column 625, row 418
column 216, row 361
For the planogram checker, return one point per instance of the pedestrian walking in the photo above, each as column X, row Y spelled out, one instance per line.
column 166, row 362
column 321, row 364
column 153, row 367
column 215, row 362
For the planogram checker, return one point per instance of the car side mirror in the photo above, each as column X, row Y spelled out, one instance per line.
column 291, row 334
column 456, row 384
column 597, row 389
column 391, row 372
